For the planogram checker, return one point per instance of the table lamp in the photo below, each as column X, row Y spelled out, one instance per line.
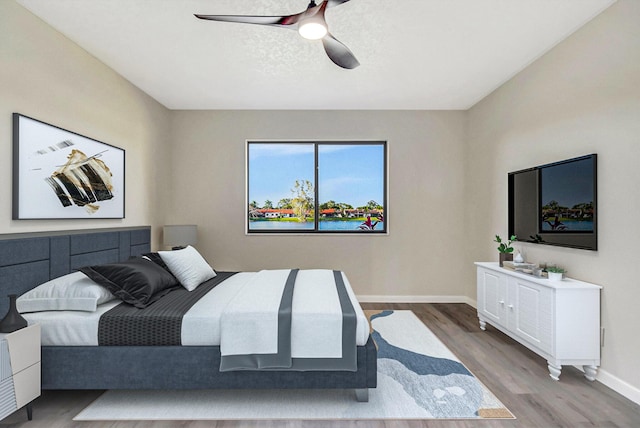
column 179, row 236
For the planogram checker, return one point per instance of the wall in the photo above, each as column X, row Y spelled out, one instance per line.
column 46, row 76
column 420, row 255
column 582, row 97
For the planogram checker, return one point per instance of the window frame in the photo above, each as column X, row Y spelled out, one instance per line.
column 316, row 218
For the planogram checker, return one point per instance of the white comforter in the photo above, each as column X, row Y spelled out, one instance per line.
column 249, row 323
column 200, row 325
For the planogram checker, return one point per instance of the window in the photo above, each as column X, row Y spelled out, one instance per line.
column 317, row 187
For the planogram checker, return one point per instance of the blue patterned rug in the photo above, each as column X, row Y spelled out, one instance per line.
column 428, row 372
column 418, row 378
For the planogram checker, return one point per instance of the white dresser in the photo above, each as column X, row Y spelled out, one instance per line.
column 558, row 320
column 19, row 369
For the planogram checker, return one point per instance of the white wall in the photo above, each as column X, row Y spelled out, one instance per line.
column 582, row 97
column 420, row 256
column 46, row 76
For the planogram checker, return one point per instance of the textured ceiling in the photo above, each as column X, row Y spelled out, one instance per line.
column 414, row 54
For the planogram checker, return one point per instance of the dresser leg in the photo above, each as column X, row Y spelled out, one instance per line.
column 554, row 371
column 590, row 372
column 29, row 411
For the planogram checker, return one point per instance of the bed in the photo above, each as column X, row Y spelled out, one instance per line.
column 27, row 260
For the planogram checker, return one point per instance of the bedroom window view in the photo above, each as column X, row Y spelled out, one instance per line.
column 316, row 187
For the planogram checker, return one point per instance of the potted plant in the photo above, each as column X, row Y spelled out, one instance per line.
column 555, row 273
column 505, row 249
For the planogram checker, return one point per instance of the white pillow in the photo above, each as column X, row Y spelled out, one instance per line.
column 72, row 292
column 188, row 266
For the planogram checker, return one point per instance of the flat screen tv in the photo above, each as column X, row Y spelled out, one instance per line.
column 556, row 204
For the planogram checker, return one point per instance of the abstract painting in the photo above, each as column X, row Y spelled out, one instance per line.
column 59, row 174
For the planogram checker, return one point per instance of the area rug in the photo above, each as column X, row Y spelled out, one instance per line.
column 418, row 378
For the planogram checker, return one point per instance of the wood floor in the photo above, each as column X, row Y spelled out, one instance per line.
column 518, row 377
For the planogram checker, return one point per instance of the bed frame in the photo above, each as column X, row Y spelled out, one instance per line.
column 27, row 260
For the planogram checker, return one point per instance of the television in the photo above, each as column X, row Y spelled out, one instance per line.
column 555, row 204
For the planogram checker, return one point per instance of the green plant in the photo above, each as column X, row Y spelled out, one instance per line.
column 505, row 247
column 556, row 269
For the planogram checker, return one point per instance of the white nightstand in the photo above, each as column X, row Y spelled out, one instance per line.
column 19, row 369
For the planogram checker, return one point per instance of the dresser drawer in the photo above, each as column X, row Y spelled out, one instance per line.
column 27, row 385
column 24, row 347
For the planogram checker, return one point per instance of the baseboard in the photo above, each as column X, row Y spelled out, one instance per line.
column 415, row 299
column 619, row 385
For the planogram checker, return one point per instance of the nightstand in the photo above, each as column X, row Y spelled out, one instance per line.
column 19, row 369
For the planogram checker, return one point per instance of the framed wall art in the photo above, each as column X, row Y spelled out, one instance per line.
column 59, row 174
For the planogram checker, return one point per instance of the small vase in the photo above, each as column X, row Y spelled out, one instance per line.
column 13, row 320
column 554, row 276
column 518, row 258
column 505, row 257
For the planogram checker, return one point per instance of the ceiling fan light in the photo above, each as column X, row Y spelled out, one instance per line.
column 312, row 30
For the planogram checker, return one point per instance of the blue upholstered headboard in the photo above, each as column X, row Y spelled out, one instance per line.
column 29, row 259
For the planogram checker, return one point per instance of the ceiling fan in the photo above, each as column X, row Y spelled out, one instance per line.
column 310, row 23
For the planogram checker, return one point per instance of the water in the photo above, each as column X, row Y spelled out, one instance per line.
column 586, row 226
column 345, row 225
column 323, row 225
column 288, row 225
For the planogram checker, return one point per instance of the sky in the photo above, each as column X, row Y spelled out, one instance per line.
column 568, row 183
column 353, row 174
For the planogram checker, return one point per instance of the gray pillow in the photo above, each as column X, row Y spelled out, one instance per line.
column 138, row 282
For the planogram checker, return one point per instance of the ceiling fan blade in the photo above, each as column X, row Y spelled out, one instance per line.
column 277, row 21
column 339, row 53
column 332, row 3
